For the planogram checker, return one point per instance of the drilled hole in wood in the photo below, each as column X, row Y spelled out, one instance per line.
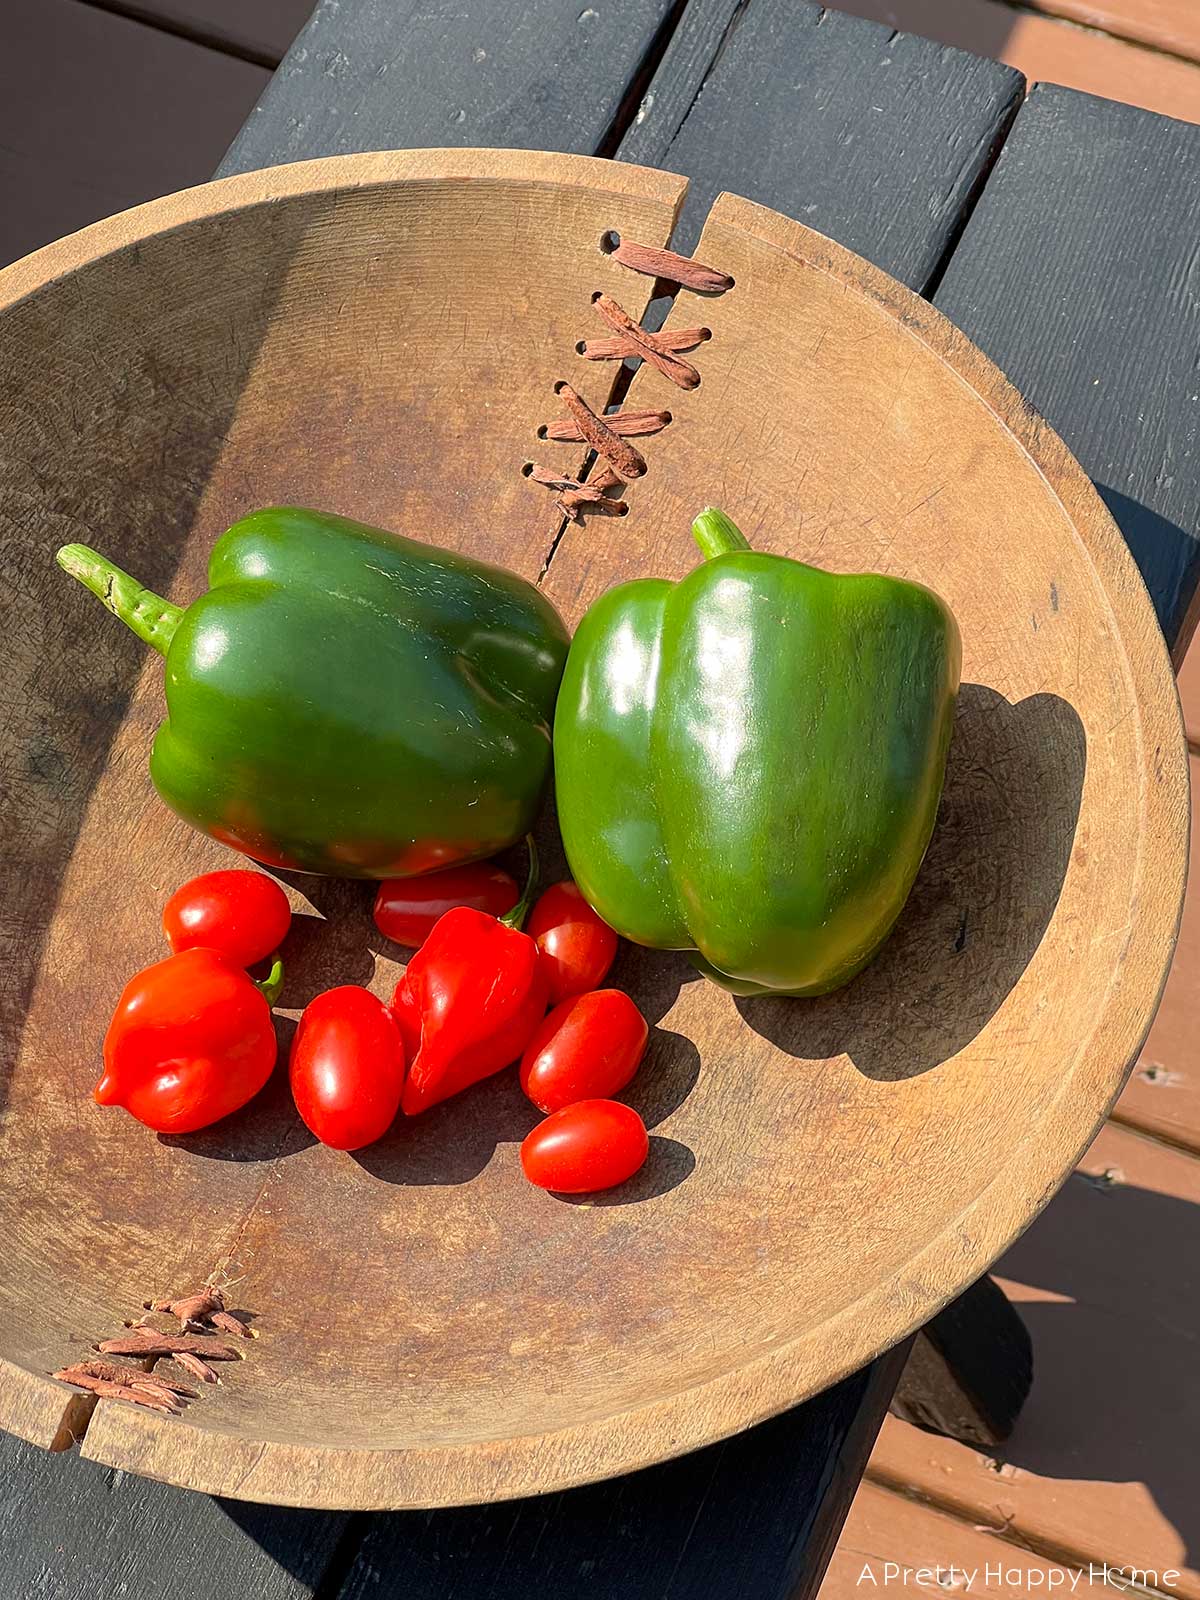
column 580, row 347
column 527, row 469
column 543, row 432
column 609, row 242
column 560, row 386
column 596, row 293
column 705, row 334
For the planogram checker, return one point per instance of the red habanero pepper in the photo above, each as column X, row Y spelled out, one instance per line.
column 469, row 1001
column 577, row 945
column 190, row 1042
column 407, row 909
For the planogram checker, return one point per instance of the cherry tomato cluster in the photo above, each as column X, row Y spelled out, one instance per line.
column 191, row 1040
column 473, row 1000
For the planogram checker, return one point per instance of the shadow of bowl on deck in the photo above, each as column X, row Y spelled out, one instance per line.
column 1115, row 1397
column 981, row 903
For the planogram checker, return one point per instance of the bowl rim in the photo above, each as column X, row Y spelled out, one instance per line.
column 219, row 1462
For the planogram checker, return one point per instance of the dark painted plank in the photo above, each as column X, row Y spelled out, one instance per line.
column 98, row 113
column 757, row 1516
column 73, row 1530
column 876, row 138
column 258, row 30
column 1079, row 274
column 401, row 74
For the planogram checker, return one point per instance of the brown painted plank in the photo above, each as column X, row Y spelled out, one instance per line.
column 1189, row 693
column 1163, row 1095
column 1049, row 51
column 1164, row 24
column 260, row 30
column 98, row 113
column 943, row 1555
column 1102, row 1464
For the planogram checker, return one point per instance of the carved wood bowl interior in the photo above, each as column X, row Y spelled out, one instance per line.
column 381, row 336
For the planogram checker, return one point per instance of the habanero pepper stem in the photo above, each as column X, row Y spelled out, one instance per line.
column 516, row 917
column 271, row 985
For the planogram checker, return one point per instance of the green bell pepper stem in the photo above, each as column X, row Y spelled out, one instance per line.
column 273, row 982
column 516, row 917
column 152, row 618
column 717, row 534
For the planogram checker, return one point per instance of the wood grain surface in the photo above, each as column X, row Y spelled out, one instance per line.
column 876, row 139
column 389, row 74
column 258, row 30
column 1102, row 1466
column 1162, row 1096
column 1045, row 49
column 886, row 1527
column 1076, row 278
column 1172, row 25
column 74, row 1530
column 330, row 333
column 98, row 112
column 673, row 1530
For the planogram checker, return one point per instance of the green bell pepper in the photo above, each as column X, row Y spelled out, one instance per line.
column 344, row 701
column 748, row 763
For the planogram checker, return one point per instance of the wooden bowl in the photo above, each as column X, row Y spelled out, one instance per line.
column 380, row 335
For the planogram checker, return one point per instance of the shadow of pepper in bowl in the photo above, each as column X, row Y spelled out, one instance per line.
column 983, row 899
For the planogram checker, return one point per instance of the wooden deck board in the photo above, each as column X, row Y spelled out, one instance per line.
column 1048, row 50
column 1172, row 25
column 1189, row 692
column 400, row 74
column 1102, row 1463
column 260, row 29
column 1077, row 276
column 884, row 1527
column 1163, row 1095
column 73, row 1530
column 98, row 112
column 879, row 142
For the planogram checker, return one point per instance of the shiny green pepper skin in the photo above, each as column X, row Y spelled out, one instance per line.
column 748, row 763
column 345, row 701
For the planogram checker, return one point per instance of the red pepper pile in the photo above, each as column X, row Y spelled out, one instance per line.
column 192, row 1040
